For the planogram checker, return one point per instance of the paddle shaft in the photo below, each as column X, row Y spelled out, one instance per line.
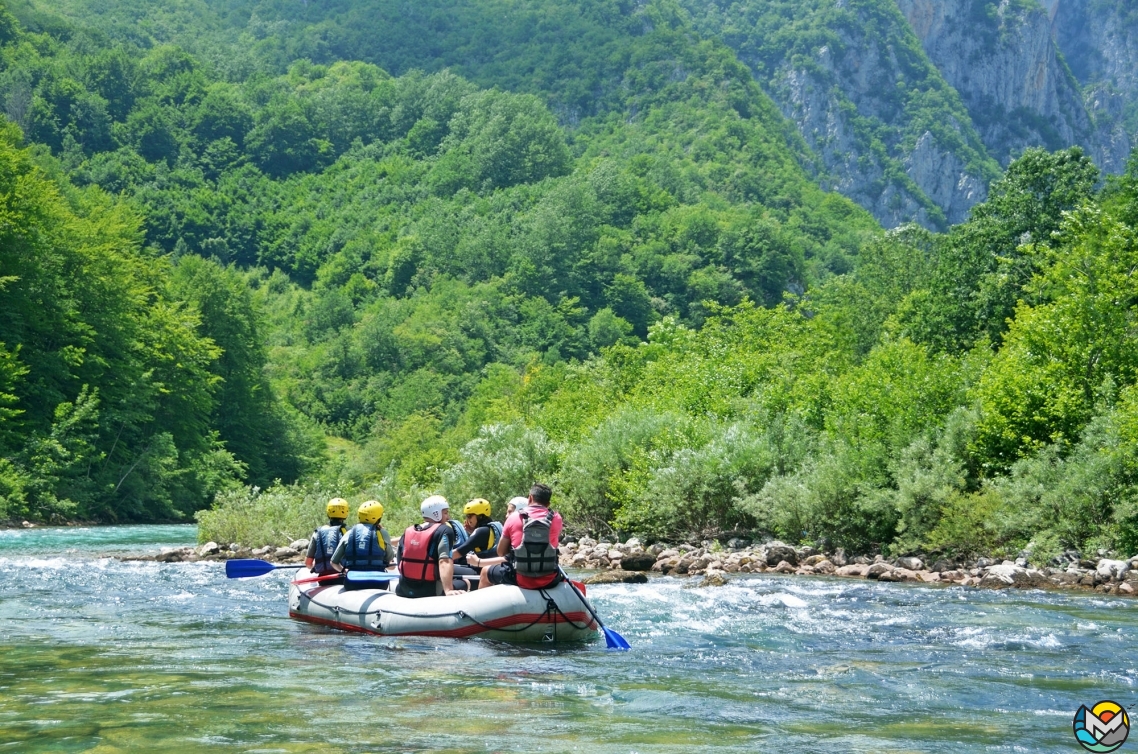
column 584, row 601
column 326, row 577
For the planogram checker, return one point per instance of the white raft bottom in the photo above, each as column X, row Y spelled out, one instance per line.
column 504, row 613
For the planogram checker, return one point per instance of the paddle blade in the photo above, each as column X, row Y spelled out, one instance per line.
column 247, row 568
column 613, row 640
column 368, row 576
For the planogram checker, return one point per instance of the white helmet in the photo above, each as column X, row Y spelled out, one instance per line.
column 432, row 508
column 519, row 503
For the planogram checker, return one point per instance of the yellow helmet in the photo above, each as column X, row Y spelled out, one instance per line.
column 337, row 508
column 370, row 512
column 477, row 506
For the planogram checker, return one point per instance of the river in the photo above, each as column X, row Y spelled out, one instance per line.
column 102, row 655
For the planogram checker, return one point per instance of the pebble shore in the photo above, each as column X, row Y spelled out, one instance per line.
column 632, row 562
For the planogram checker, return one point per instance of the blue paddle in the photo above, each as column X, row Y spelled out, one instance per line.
column 357, row 577
column 247, row 568
column 613, row 640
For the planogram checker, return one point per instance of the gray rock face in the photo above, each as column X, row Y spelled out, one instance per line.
column 1100, row 43
column 1008, row 71
column 857, row 100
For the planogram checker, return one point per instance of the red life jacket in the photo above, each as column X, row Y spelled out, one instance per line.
column 416, row 562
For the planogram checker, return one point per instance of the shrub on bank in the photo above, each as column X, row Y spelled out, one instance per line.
column 286, row 513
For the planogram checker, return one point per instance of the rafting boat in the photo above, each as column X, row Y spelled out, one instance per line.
column 504, row 613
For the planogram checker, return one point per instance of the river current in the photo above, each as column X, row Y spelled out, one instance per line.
column 103, row 655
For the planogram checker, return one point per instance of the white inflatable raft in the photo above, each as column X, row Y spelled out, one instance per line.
column 505, row 613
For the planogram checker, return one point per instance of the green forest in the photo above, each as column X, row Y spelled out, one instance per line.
column 256, row 254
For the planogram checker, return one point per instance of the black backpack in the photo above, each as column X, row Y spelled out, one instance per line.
column 536, row 557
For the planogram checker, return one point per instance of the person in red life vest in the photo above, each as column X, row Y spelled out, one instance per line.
column 528, row 554
column 426, row 567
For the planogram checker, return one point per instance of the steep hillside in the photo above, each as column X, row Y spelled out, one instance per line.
column 393, row 251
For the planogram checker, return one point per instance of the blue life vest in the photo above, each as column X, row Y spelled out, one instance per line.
column 367, row 548
column 327, row 537
column 460, row 535
column 495, row 535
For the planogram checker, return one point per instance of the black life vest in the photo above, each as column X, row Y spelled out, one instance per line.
column 536, row 557
column 367, row 548
column 327, row 537
column 419, row 557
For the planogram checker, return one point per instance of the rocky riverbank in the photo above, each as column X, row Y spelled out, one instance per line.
column 631, row 562
column 212, row 551
column 715, row 563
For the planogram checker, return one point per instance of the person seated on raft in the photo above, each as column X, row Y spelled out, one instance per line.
column 426, row 565
column 515, row 505
column 367, row 545
column 484, row 535
column 324, row 541
column 528, row 550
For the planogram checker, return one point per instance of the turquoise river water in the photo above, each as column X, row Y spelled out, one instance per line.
column 103, row 655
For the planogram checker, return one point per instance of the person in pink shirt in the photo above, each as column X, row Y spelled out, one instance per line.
column 527, row 552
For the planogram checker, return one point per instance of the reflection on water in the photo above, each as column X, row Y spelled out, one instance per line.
column 101, row 655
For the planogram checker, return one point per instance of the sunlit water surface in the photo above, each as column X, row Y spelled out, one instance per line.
column 102, row 655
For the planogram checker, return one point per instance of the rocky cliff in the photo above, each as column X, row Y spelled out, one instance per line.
column 909, row 104
column 1002, row 59
column 1099, row 40
column 890, row 131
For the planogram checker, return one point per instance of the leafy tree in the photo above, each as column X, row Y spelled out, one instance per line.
column 980, row 274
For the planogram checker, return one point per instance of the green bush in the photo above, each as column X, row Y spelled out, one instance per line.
column 284, row 513
column 502, row 462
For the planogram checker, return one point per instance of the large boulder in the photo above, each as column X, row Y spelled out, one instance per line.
column 877, row 569
column 639, row 562
column 778, row 552
column 898, row 575
column 853, row 570
column 1008, row 574
column 714, row 578
column 911, row 564
column 616, row 577
column 1113, row 570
